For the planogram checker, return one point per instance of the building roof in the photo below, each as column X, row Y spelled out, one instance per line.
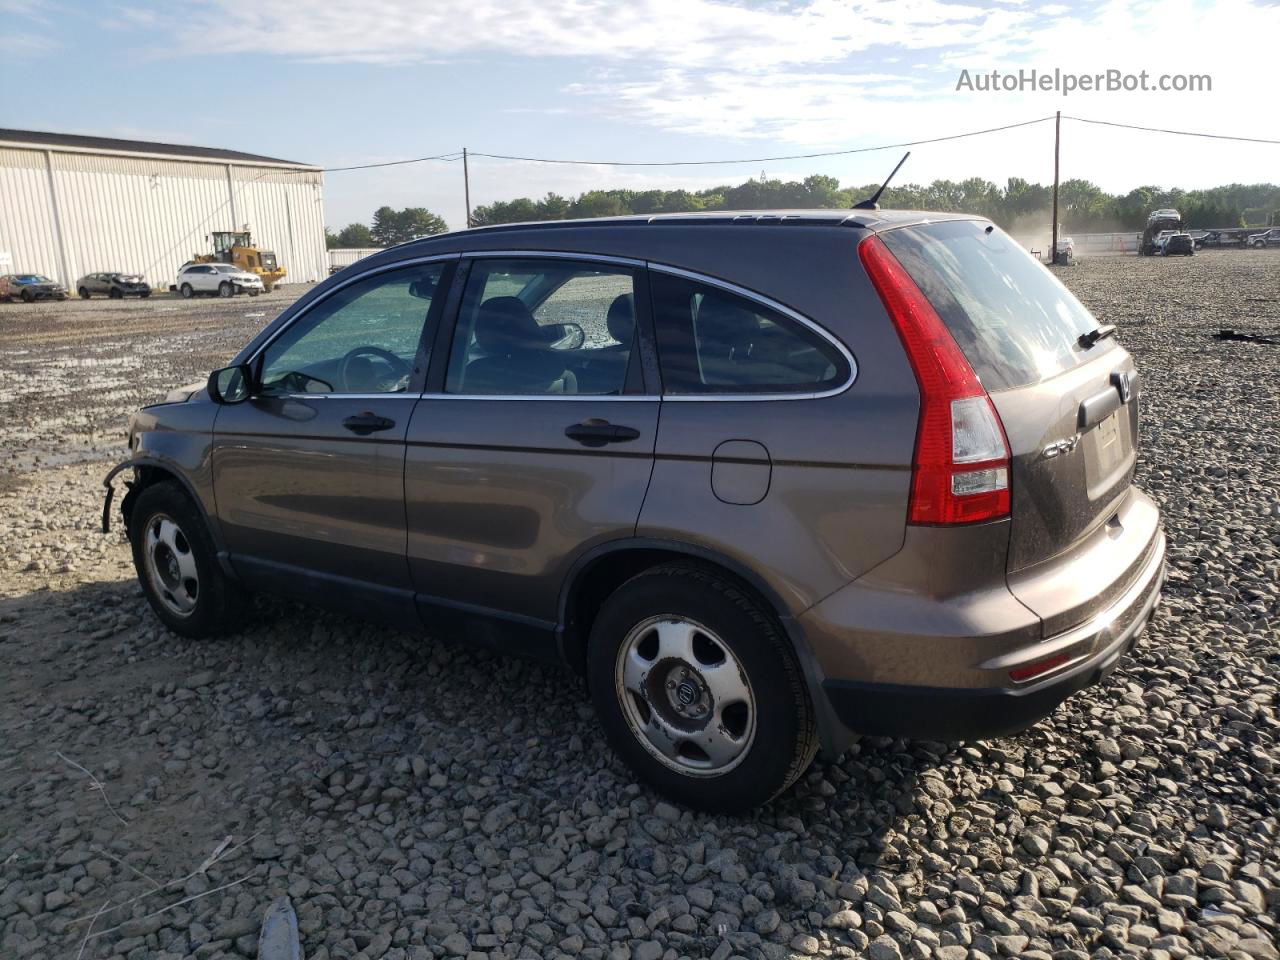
column 79, row 143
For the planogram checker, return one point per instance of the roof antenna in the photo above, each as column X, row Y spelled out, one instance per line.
column 872, row 202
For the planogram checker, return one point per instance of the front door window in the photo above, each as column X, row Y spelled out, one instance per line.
column 365, row 338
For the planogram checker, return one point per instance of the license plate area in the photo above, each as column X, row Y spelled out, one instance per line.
column 1108, row 452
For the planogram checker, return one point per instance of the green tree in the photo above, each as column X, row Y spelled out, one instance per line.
column 355, row 235
column 398, row 226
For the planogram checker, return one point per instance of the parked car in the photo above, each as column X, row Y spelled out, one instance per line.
column 29, row 287
column 1267, row 238
column 1178, row 244
column 221, row 279
column 768, row 481
column 113, row 285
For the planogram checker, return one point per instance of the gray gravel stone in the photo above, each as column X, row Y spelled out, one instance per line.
column 415, row 798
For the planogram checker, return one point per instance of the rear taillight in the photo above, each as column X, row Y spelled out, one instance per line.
column 960, row 472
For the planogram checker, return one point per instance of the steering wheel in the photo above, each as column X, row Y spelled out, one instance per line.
column 399, row 368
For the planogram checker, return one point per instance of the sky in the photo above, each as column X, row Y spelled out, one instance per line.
column 340, row 84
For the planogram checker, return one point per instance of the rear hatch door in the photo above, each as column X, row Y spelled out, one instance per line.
column 1067, row 398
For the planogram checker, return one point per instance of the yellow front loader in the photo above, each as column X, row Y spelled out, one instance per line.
column 236, row 247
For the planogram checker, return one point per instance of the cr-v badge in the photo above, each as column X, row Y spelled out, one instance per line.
column 1060, row 447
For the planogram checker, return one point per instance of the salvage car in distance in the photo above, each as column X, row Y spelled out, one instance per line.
column 1178, row 244
column 29, row 287
column 113, row 285
column 217, row 279
column 769, row 481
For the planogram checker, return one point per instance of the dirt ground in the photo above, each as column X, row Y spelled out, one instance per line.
column 416, row 799
column 72, row 372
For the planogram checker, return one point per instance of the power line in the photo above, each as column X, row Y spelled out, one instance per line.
column 1180, row 133
column 794, row 156
column 456, row 155
column 390, row 163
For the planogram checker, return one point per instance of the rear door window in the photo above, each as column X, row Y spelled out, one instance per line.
column 543, row 327
column 1016, row 323
column 711, row 341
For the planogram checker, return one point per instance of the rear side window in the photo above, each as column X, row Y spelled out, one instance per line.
column 543, row 327
column 711, row 341
column 1016, row 324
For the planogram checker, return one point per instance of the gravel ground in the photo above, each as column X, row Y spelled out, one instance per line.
column 414, row 799
column 73, row 372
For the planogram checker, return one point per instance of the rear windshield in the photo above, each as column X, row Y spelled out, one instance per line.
column 1015, row 322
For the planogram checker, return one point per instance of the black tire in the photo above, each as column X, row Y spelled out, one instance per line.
column 186, row 291
column 116, row 294
column 84, row 293
column 253, row 293
column 225, row 289
column 144, row 294
column 28, row 297
column 785, row 739
column 219, row 603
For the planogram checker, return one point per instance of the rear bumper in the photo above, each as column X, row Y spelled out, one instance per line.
column 957, row 713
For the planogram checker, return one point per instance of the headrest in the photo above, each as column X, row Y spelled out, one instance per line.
column 621, row 319
column 723, row 321
column 504, row 324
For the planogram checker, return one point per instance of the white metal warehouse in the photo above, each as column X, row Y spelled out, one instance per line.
column 71, row 205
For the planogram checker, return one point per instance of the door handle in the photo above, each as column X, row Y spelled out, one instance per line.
column 367, row 423
column 596, row 433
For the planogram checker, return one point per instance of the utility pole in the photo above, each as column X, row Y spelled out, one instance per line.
column 1057, row 141
column 466, row 185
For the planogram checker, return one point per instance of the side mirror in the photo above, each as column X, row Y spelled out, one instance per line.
column 423, row 289
column 564, row 336
column 231, row 384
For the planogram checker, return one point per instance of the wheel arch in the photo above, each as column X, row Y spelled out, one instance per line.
column 604, row 568
column 147, row 472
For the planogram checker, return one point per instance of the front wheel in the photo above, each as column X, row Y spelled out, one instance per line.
column 177, row 565
column 186, row 291
column 84, row 293
column 699, row 690
column 28, row 296
column 115, row 294
column 225, row 289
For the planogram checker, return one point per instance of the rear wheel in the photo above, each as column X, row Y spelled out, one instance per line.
column 225, row 289
column 186, row 291
column 84, row 293
column 699, row 690
column 177, row 565
column 28, row 296
column 115, row 294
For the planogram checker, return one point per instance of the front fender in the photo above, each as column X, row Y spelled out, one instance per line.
column 172, row 442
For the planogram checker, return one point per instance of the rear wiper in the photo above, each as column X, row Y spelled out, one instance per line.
column 1087, row 340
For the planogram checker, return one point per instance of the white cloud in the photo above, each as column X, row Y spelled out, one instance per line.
column 806, row 72
column 685, row 33
column 792, row 76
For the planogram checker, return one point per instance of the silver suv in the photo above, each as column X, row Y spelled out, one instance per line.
column 767, row 481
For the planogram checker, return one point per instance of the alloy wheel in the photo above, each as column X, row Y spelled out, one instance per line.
column 685, row 696
column 171, row 566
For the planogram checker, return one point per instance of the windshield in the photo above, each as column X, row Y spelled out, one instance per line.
column 1015, row 322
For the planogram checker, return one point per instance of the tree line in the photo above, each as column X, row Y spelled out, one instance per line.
column 1083, row 207
column 389, row 228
